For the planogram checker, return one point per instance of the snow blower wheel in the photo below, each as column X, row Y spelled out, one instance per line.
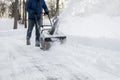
column 44, row 45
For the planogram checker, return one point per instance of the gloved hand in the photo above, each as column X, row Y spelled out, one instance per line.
column 46, row 13
column 35, row 13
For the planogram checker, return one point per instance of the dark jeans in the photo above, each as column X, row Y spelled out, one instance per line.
column 31, row 24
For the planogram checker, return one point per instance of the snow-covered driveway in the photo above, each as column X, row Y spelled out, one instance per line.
column 77, row 59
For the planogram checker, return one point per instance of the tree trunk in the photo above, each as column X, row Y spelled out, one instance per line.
column 57, row 7
column 16, row 14
column 24, row 21
column 25, row 18
column 20, row 10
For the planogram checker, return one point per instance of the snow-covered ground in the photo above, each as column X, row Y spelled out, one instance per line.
column 91, row 52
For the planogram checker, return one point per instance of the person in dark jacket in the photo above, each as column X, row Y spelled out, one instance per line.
column 34, row 9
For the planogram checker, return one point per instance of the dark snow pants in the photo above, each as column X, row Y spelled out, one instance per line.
column 31, row 24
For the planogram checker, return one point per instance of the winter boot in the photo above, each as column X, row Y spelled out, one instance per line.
column 28, row 42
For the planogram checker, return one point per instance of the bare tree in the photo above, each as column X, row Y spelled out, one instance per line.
column 20, row 6
column 2, row 8
column 16, row 14
column 11, row 9
column 52, row 7
column 24, row 14
column 57, row 7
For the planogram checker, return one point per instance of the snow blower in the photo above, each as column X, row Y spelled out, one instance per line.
column 50, row 33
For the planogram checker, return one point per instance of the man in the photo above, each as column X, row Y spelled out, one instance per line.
column 34, row 8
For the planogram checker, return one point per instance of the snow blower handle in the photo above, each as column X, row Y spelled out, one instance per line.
column 49, row 19
column 43, row 25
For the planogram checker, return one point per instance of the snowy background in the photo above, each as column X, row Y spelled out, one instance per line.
column 92, row 18
column 91, row 52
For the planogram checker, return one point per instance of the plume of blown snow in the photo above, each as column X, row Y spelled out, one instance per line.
column 91, row 18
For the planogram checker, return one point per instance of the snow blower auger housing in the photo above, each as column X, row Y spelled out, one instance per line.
column 50, row 33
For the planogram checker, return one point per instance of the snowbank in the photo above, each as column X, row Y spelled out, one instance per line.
column 6, row 24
